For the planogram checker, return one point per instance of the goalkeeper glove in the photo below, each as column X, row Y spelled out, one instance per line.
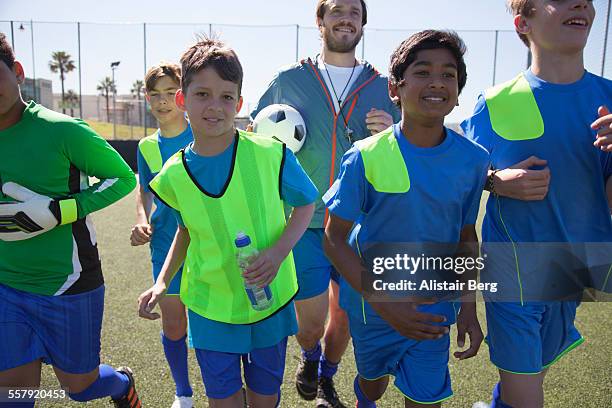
column 32, row 214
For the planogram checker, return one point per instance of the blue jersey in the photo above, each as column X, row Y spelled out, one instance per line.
column 575, row 208
column 296, row 190
column 446, row 183
column 162, row 220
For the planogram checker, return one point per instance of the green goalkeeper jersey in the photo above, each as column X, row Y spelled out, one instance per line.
column 54, row 155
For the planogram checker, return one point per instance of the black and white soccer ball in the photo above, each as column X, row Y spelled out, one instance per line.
column 283, row 123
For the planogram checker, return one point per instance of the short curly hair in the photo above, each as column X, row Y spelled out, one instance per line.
column 6, row 51
column 406, row 53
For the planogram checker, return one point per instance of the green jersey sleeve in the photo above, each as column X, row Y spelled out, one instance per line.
column 94, row 157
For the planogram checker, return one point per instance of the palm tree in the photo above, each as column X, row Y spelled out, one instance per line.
column 72, row 100
column 61, row 62
column 136, row 92
column 106, row 87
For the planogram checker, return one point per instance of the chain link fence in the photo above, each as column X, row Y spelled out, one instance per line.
column 493, row 57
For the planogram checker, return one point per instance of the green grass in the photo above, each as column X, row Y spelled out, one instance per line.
column 124, row 132
column 581, row 379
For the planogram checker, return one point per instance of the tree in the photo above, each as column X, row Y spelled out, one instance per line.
column 136, row 91
column 72, row 100
column 61, row 62
column 106, row 87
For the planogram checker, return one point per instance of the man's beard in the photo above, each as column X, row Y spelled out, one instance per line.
column 334, row 45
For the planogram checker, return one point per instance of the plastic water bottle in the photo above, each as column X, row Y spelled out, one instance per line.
column 261, row 298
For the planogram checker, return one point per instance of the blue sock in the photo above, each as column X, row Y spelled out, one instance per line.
column 362, row 400
column 176, row 354
column 497, row 401
column 109, row 382
column 327, row 368
column 312, row 355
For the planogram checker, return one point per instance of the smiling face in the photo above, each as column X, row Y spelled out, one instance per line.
column 429, row 88
column 161, row 98
column 341, row 26
column 558, row 25
column 211, row 103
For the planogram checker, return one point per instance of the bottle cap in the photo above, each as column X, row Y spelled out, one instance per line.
column 242, row 240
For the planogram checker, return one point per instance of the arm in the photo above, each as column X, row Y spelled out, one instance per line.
column 297, row 191
column 89, row 154
column 467, row 320
column 141, row 232
column 381, row 117
column 520, row 181
column 176, row 257
column 603, row 125
column 378, row 120
column 403, row 316
column 93, row 156
column 264, row 268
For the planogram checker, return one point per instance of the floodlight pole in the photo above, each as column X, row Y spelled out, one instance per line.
column 33, row 62
column 114, row 66
column 12, row 36
column 297, row 42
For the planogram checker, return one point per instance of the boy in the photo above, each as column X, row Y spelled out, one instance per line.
column 545, row 120
column 341, row 99
column 174, row 133
column 230, row 181
column 51, row 284
column 416, row 182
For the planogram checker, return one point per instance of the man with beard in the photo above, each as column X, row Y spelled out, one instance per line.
column 342, row 100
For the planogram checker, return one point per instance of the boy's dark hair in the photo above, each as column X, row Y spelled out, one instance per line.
column 210, row 52
column 525, row 9
column 6, row 52
column 322, row 8
column 406, row 53
column 169, row 69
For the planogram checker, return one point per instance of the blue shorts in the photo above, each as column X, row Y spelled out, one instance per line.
column 263, row 370
column 175, row 284
column 63, row 331
column 312, row 266
column 420, row 368
column 527, row 339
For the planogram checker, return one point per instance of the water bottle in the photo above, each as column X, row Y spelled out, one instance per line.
column 261, row 298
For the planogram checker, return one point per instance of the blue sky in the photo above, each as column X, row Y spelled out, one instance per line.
column 112, row 30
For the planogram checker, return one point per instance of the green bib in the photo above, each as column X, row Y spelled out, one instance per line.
column 384, row 165
column 212, row 285
column 149, row 148
column 513, row 110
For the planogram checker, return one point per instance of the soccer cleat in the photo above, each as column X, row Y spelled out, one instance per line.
column 130, row 399
column 182, row 402
column 327, row 397
column 306, row 378
column 480, row 404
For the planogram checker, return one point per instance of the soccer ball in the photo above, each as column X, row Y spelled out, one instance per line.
column 283, row 123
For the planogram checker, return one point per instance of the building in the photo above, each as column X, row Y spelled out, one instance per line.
column 39, row 90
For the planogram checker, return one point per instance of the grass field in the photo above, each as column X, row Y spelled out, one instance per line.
column 124, row 132
column 582, row 379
